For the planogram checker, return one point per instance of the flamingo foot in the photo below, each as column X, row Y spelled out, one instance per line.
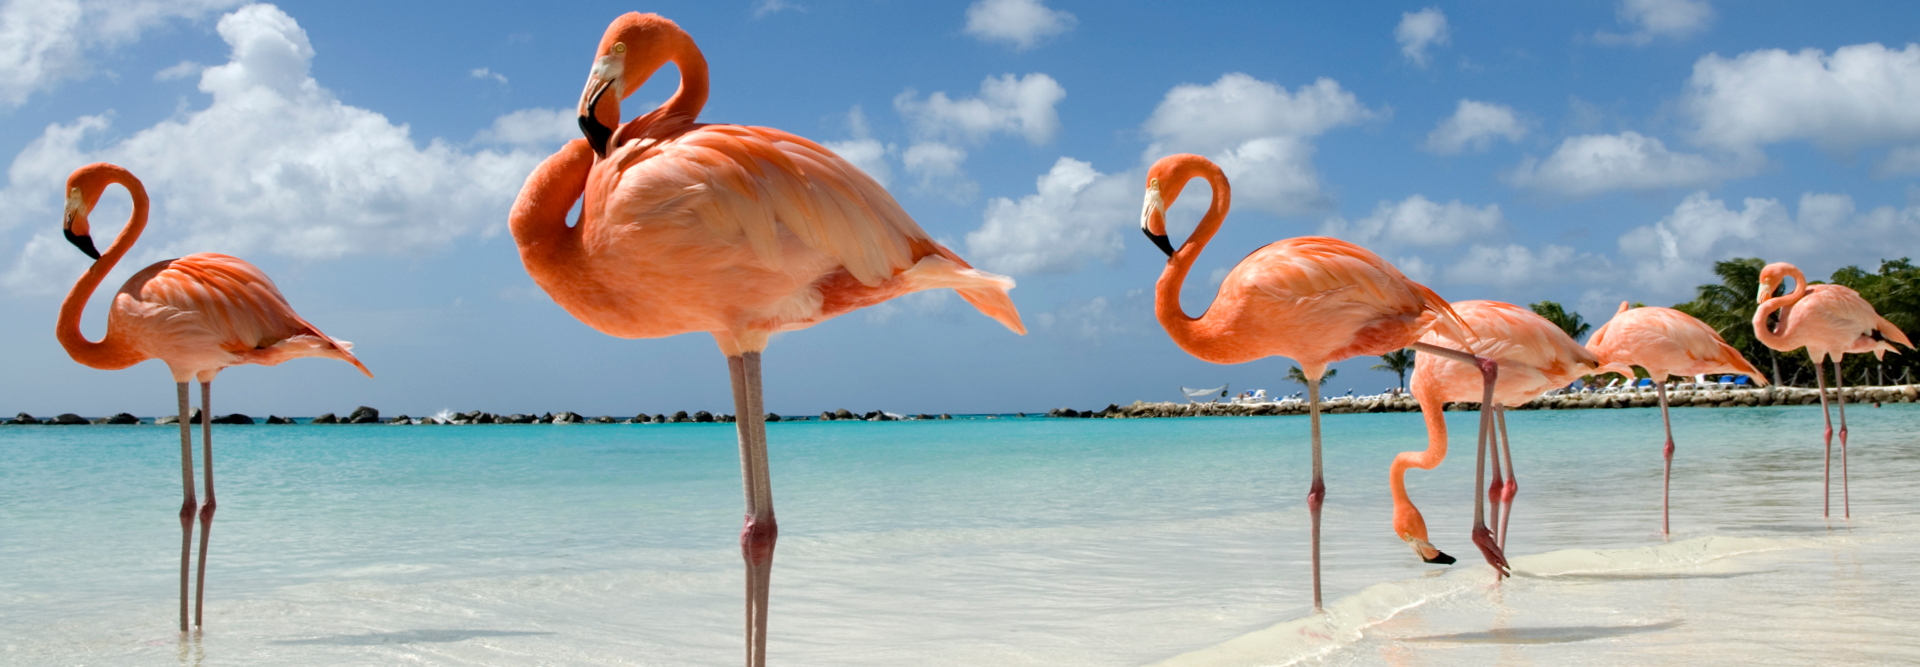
column 1483, row 538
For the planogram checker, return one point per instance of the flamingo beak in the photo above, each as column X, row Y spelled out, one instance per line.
column 597, row 133
column 1155, row 205
column 83, row 242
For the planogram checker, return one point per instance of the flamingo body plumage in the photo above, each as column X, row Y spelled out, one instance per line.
column 737, row 231
column 198, row 314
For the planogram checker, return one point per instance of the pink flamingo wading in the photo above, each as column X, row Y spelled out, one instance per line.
column 737, row 231
column 1830, row 321
column 1314, row 299
column 1666, row 343
column 200, row 314
column 1535, row 357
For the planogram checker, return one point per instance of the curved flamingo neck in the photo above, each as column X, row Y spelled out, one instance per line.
column 1188, row 332
column 112, row 352
column 1779, row 340
column 1407, row 522
column 538, row 221
column 692, row 96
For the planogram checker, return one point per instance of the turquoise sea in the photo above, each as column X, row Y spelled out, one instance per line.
column 1003, row 541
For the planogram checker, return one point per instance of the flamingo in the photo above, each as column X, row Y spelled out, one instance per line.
column 1666, row 342
column 1316, row 300
column 1830, row 321
column 1534, row 356
column 737, row 231
column 200, row 314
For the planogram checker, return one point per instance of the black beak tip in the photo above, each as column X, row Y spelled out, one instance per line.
column 84, row 243
column 1440, row 558
column 597, row 134
column 1160, row 241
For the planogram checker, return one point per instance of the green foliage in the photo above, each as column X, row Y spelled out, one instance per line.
column 1294, row 374
column 1397, row 362
column 1572, row 323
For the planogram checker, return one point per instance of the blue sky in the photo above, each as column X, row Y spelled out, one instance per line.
column 364, row 155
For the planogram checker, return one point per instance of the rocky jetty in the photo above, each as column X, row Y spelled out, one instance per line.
column 271, row 419
column 121, row 419
column 327, row 418
column 68, row 419
column 1698, row 398
column 235, row 418
column 363, row 415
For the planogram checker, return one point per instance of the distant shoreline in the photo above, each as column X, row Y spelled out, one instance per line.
column 1714, row 397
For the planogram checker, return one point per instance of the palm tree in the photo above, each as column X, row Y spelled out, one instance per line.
column 1572, row 323
column 1296, row 375
column 1397, row 362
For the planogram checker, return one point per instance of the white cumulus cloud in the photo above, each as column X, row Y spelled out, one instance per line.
column 1076, row 214
column 43, row 42
column 1418, row 221
column 1857, row 95
column 765, row 8
column 274, row 164
column 1648, row 19
column 1418, row 31
column 1021, row 23
column 864, row 151
column 1259, row 133
column 944, row 126
column 1593, row 163
column 1474, row 125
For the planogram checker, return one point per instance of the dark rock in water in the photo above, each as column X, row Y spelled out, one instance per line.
column 1112, row 408
column 1019, row 414
column 515, row 418
column 871, row 416
column 401, row 420
column 679, row 418
column 1063, row 412
column 485, row 418
column 726, row 418
column 659, row 419
column 123, row 418
column 23, row 418
column 826, row 416
column 944, row 415
column 364, row 415
column 923, row 416
column 271, row 419
column 641, row 418
column 773, row 417
column 567, row 418
column 842, row 413
column 702, row 417
column 235, row 418
column 98, row 421
column 69, row 419
column 603, row 419
column 327, row 418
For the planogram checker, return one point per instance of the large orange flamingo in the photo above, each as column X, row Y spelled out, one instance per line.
column 1830, row 321
column 1314, row 299
column 737, row 231
column 1666, row 343
column 1535, row 357
column 199, row 314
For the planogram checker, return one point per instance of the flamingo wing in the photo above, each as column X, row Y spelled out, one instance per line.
column 231, row 304
column 757, row 184
column 1368, row 291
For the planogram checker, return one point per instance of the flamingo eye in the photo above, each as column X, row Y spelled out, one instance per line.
column 619, row 47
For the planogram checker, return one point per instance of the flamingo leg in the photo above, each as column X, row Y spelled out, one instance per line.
column 1317, row 493
column 1666, row 478
column 1840, row 404
column 758, row 536
column 1489, row 374
column 1513, row 480
column 206, row 510
column 1496, row 492
column 189, row 505
column 1826, row 471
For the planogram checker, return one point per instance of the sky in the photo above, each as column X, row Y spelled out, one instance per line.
column 364, row 154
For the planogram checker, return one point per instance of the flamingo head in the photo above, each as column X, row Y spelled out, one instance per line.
column 83, row 191
column 1165, row 179
column 634, row 47
column 1776, row 274
column 1413, row 529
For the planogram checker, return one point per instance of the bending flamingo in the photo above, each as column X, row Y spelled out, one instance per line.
column 1534, row 357
column 740, row 232
column 199, row 314
column 1830, row 321
column 1666, row 342
column 1314, row 299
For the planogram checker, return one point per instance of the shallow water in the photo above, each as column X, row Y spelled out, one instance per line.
column 972, row 542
